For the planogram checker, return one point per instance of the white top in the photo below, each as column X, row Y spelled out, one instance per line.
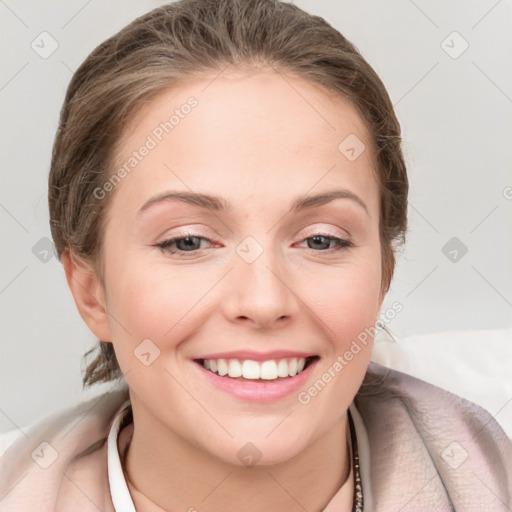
column 120, row 494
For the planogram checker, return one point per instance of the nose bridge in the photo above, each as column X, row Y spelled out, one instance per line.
column 259, row 289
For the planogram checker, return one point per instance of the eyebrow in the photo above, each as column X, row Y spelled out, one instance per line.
column 216, row 203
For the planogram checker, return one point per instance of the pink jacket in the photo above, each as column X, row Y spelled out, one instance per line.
column 421, row 449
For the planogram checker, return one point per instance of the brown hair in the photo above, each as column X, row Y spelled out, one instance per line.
column 165, row 47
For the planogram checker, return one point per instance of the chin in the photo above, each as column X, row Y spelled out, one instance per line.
column 254, row 449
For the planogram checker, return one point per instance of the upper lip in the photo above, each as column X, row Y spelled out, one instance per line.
column 257, row 356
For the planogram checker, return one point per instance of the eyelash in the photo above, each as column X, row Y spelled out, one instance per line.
column 166, row 245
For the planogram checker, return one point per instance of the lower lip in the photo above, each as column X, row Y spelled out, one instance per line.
column 258, row 390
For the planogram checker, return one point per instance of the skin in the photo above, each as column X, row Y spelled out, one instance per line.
column 260, row 140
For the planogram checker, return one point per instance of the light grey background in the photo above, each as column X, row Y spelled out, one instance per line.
column 456, row 119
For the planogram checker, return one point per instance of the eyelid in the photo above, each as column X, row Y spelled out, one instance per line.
column 195, row 230
column 338, row 233
column 191, row 233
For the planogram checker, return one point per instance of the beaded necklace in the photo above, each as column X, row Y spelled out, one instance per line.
column 357, row 503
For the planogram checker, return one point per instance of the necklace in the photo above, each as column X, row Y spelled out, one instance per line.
column 357, row 502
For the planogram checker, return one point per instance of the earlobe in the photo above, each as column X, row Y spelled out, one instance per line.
column 88, row 293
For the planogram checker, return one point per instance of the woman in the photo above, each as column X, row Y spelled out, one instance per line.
column 226, row 193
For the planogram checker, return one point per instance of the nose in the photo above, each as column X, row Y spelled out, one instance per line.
column 260, row 292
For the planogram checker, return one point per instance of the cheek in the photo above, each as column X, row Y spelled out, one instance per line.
column 152, row 301
column 346, row 299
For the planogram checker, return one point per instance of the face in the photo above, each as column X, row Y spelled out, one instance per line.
column 253, row 270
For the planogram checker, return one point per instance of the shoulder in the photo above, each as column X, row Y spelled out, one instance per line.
column 434, row 440
column 44, row 467
column 422, row 400
column 7, row 438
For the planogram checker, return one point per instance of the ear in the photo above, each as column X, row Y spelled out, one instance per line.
column 89, row 294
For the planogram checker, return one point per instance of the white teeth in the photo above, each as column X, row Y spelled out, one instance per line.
column 292, row 367
column 269, row 370
column 234, row 368
column 282, row 368
column 253, row 370
column 222, row 367
column 250, row 369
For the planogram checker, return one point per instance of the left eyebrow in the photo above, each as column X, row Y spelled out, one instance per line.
column 216, row 203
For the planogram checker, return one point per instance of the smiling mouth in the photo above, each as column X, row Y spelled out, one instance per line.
column 250, row 370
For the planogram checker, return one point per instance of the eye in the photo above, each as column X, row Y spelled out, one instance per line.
column 182, row 244
column 190, row 244
column 322, row 243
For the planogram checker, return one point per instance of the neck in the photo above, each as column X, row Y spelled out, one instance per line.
column 167, row 473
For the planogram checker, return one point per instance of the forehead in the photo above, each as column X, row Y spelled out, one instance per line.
column 263, row 130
